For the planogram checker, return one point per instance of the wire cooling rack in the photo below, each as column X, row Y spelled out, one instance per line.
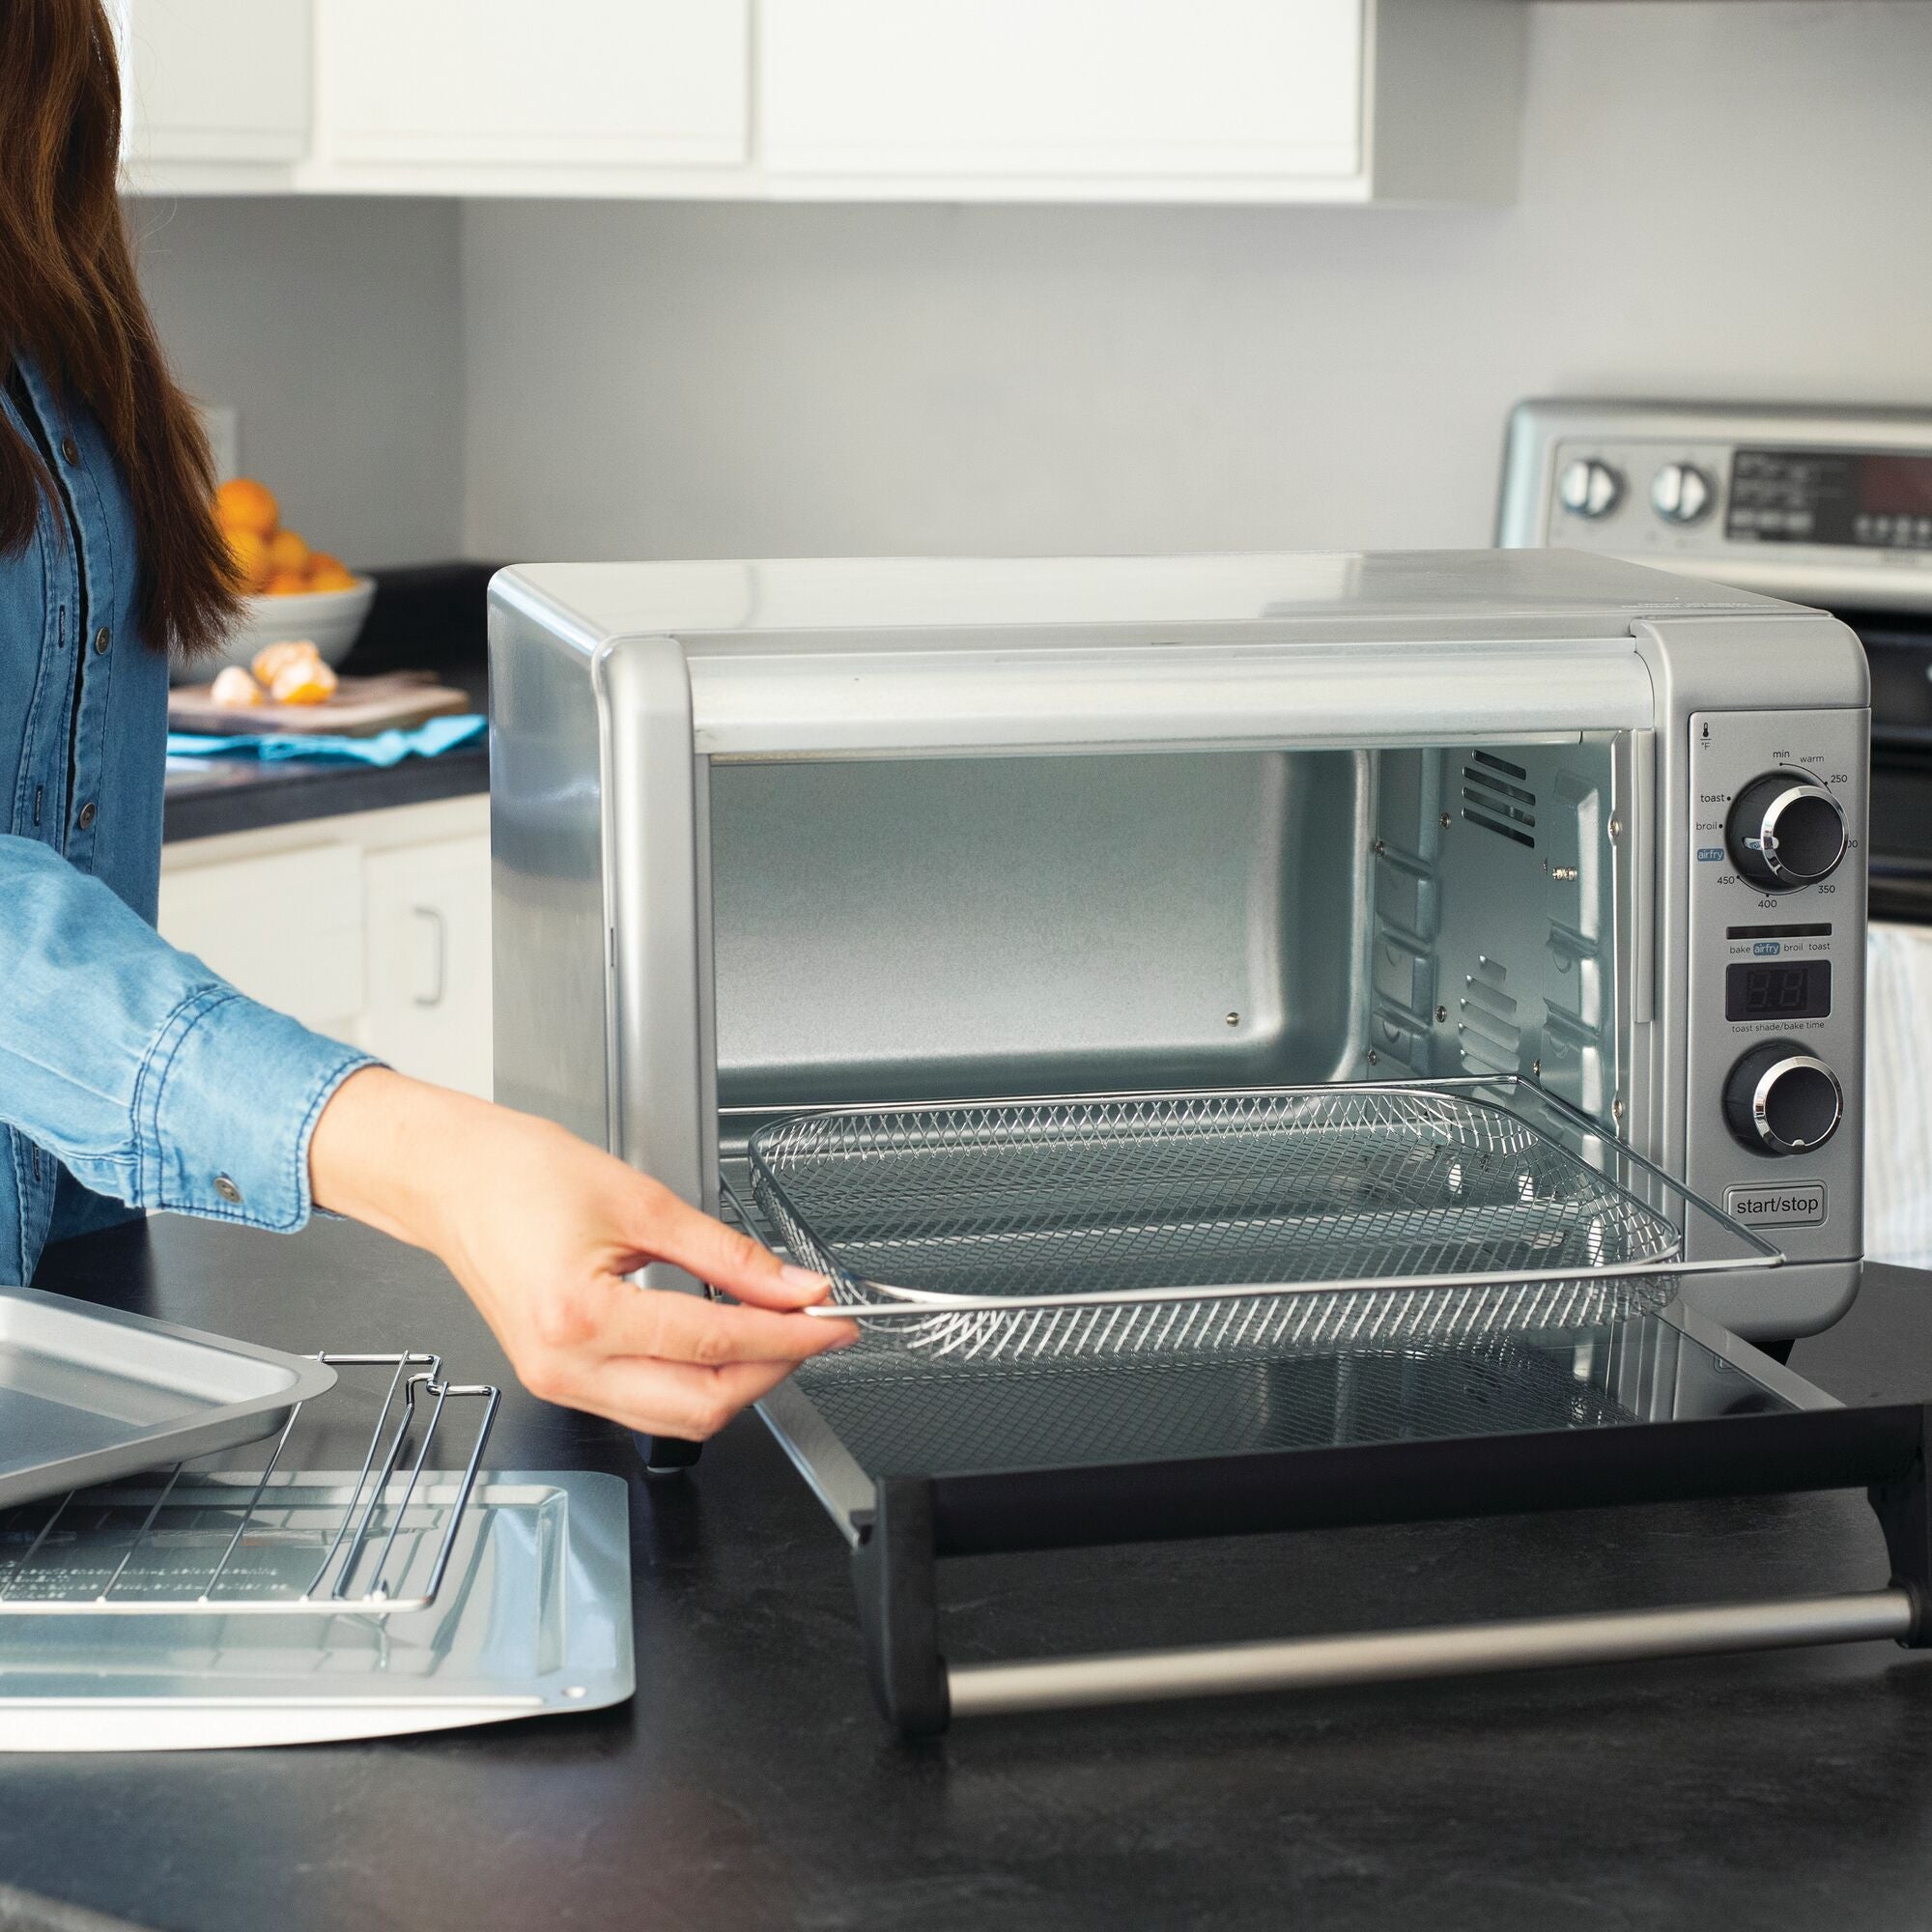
column 179, row 1546
column 1219, row 1222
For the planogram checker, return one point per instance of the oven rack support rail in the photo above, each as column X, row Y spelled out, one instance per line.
column 917, row 1520
column 355, row 1574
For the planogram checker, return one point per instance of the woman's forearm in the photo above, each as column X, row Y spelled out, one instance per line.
column 147, row 1076
column 377, row 1149
column 544, row 1232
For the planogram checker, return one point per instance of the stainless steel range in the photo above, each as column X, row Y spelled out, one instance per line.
column 1830, row 506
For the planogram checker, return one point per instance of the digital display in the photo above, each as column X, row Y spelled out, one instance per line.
column 1770, row 989
column 1867, row 498
column 1896, row 486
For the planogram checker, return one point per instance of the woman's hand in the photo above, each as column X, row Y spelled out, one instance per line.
column 541, row 1229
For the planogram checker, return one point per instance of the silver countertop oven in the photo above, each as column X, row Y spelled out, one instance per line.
column 1209, row 1011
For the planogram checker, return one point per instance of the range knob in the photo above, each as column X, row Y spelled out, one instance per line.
column 1785, row 832
column 1781, row 1099
column 1680, row 492
column 1589, row 488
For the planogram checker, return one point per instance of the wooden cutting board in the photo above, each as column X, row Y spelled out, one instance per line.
column 361, row 707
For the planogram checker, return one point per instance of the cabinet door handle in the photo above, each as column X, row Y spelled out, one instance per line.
column 438, row 939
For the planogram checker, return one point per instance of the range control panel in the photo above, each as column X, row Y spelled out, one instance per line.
column 1866, row 497
column 1777, row 973
column 1831, row 506
column 1688, row 499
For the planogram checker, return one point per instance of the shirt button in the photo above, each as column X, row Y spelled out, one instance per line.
column 227, row 1189
column 87, row 814
column 69, row 449
column 102, row 638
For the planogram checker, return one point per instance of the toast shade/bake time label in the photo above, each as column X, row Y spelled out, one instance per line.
column 1791, row 1203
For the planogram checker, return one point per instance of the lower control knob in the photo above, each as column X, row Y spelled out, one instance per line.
column 1781, row 1099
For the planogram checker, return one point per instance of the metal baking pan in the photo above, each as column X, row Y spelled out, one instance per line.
column 88, row 1393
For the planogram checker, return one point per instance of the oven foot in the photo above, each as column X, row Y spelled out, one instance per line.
column 667, row 1455
column 895, row 1573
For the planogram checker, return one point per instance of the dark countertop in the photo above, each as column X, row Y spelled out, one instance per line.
column 429, row 617
column 750, row 1784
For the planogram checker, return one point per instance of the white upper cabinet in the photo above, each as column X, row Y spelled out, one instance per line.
column 1335, row 101
column 506, row 96
column 214, row 93
column 1061, row 96
column 1141, row 99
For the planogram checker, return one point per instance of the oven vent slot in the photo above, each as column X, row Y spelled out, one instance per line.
column 1492, row 1039
column 1493, row 799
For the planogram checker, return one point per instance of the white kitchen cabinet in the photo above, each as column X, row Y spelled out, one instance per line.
column 498, row 96
column 1140, row 100
column 286, row 927
column 372, row 927
column 1209, row 100
column 428, row 1005
column 216, row 92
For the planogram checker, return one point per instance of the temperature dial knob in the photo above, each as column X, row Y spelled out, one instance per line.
column 1589, row 488
column 1781, row 1099
column 1680, row 492
column 1785, row 832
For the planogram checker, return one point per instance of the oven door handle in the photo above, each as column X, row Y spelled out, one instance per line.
column 895, row 1573
column 1445, row 1650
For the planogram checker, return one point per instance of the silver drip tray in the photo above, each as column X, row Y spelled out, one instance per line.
column 533, row 1617
column 283, row 1602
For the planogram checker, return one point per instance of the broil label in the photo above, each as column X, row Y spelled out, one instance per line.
column 1798, row 1204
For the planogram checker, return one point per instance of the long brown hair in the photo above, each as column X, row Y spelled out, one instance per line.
column 68, row 297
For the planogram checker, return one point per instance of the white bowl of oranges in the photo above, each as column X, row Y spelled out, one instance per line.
column 291, row 591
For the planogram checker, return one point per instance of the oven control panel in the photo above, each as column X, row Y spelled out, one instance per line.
column 1777, row 973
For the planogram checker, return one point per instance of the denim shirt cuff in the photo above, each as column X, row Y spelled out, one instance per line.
column 227, row 1099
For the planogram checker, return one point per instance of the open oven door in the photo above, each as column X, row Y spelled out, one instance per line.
column 1436, row 1370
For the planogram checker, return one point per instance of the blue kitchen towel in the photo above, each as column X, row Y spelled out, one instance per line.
column 383, row 747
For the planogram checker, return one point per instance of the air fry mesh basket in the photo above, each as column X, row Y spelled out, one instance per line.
column 1363, row 1215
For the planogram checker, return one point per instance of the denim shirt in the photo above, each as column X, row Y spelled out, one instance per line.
column 129, row 1073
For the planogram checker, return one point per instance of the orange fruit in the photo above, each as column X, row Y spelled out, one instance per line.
column 287, row 584
column 244, row 504
column 251, row 556
column 233, row 690
column 322, row 559
column 331, row 575
column 272, row 659
column 305, row 682
column 287, row 553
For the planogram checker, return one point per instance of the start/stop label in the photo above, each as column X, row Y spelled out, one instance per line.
column 1795, row 1203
